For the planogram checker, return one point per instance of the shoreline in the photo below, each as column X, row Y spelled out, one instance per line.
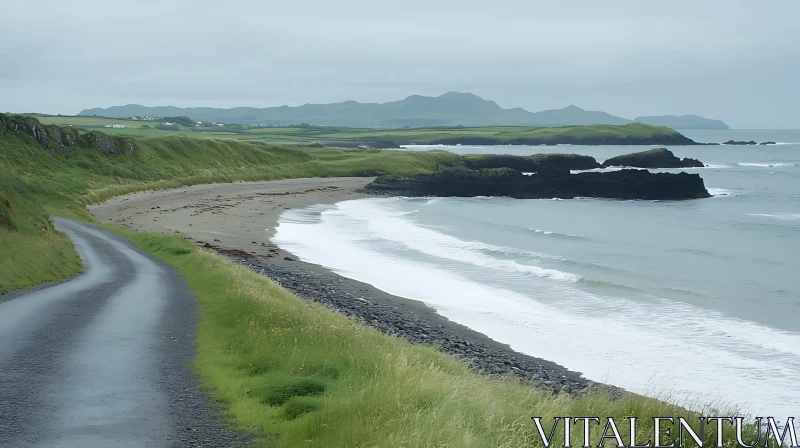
column 238, row 220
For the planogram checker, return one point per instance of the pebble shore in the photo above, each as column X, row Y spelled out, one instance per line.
column 412, row 321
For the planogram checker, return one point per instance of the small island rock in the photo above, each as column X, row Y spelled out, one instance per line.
column 654, row 158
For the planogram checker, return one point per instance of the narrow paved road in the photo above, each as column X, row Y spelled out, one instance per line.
column 103, row 360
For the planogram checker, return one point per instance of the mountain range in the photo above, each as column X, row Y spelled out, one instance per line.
column 449, row 109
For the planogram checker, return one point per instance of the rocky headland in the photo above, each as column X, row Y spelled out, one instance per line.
column 546, row 176
column 654, row 158
column 624, row 184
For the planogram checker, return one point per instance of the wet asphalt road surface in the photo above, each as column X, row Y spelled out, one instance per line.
column 103, row 360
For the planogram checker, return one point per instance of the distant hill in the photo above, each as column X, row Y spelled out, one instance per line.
column 683, row 122
column 574, row 115
column 449, row 109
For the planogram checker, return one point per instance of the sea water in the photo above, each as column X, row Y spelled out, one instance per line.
column 695, row 301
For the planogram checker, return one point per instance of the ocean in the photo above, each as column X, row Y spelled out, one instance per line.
column 694, row 301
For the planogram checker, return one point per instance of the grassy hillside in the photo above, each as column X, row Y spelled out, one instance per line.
column 36, row 183
column 292, row 372
column 634, row 133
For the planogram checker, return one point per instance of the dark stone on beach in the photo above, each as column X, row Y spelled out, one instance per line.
column 369, row 173
column 289, row 259
column 654, row 158
column 767, row 143
column 623, row 184
column 360, row 302
column 739, row 142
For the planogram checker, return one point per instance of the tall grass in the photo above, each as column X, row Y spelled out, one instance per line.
column 31, row 251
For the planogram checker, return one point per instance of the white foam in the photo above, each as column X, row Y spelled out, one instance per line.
column 618, row 168
column 700, row 356
column 766, row 164
column 604, row 170
column 381, row 221
column 547, row 232
column 720, row 192
column 782, row 216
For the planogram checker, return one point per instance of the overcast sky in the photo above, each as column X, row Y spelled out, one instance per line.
column 738, row 61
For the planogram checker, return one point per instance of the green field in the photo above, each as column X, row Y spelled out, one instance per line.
column 291, row 372
column 489, row 135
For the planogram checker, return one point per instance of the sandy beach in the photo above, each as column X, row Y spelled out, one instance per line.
column 239, row 219
column 237, row 216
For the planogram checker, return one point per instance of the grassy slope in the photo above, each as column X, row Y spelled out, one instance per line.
column 399, row 136
column 290, row 371
column 36, row 183
column 31, row 251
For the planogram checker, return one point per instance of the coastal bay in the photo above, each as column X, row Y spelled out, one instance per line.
column 204, row 215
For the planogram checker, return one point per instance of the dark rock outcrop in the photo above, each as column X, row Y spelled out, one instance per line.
column 108, row 145
column 623, row 184
column 767, row 143
column 654, row 158
column 49, row 137
column 537, row 163
column 739, row 142
column 30, row 127
column 64, row 139
column 103, row 143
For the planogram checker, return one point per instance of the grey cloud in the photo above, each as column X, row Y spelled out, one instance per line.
column 732, row 60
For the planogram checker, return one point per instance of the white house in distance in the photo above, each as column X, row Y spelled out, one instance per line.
column 115, row 125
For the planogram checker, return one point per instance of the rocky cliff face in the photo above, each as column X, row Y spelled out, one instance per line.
column 538, row 163
column 654, row 158
column 54, row 138
column 110, row 145
column 624, row 184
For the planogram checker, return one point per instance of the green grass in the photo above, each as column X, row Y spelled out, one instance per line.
column 31, row 251
column 496, row 134
column 292, row 372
